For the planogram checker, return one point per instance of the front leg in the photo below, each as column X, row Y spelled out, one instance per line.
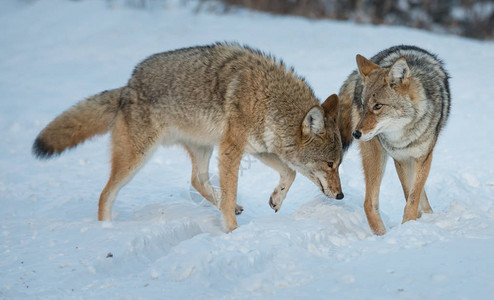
column 287, row 175
column 422, row 166
column 405, row 172
column 230, row 155
column 404, row 168
column 373, row 161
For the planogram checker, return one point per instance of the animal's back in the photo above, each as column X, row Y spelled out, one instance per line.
column 183, row 91
column 196, row 90
column 183, row 81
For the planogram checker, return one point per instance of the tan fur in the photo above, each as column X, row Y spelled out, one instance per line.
column 367, row 123
column 412, row 178
column 365, row 66
column 84, row 120
column 422, row 166
column 373, row 162
column 405, row 170
column 413, row 181
column 331, row 106
column 287, row 176
column 222, row 95
column 395, row 110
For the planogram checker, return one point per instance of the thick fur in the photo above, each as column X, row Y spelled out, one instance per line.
column 84, row 120
column 222, row 95
column 396, row 103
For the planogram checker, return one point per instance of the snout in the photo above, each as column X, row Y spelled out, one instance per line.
column 329, row 194
column 331, row 188
column 363, row 136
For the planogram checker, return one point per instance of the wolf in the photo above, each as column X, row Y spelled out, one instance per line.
column 225, row 95
column 396, row 105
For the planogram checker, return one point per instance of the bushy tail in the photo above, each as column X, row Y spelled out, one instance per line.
column 345, row 121
column 92, row 116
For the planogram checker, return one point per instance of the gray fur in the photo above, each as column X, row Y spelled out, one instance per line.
column 396, row 104
column 428, row 120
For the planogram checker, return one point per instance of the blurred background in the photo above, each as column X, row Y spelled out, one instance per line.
column 469, row 18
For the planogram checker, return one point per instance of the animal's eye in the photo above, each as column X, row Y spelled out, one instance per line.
column 330, row 164
column 377, row 106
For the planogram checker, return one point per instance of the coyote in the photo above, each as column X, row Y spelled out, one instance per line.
column 395, row 105
column 222, row 94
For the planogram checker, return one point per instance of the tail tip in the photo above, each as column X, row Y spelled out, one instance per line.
column 41, row 150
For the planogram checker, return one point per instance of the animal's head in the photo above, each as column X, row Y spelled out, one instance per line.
column 319, row 151
column 387, row 98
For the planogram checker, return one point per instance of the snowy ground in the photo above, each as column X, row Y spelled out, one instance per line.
column 165, row 241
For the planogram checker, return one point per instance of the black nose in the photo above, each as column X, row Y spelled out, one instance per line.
column 340, row 196
column 357, row 134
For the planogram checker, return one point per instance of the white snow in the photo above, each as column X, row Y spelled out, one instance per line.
column 165, row 241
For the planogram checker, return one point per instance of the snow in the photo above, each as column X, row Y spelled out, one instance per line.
column 165, row 241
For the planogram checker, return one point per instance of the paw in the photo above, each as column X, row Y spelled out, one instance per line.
column 275, row 205
column 409, row 217
column 231, row 228
column 376, row 224
column 276, row 200
column 238, row 209
column 379, row 231
column 230, row 225
column 426, row 210
column 423, row 211
column 411, row 213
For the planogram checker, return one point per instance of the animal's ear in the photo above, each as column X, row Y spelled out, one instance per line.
column 313, row 122
column 399, row 71
column 365, row 66
column 332, row 106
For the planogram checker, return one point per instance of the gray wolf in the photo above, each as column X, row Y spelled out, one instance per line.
column 223, row 95
column 396, row 105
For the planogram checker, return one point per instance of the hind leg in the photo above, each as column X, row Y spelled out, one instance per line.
column 230, row 154
column 200, row 157
column 424, row 206
column 128, row 154
column 421, row 170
